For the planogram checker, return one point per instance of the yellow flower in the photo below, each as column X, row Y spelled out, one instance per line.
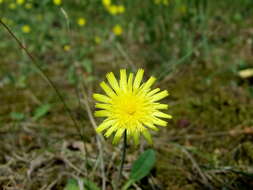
column 26, row 29
column 157, row 1
column 28, row 5
column 166, row 2
column 81, row 21
column 97, row 40
column 130, row 106
column 66, row 47
column 113, row 9
column 106, row 2
column 12, row 6
column 121, row 9
column 117, row 30
column 57, row 2
column 20, row 2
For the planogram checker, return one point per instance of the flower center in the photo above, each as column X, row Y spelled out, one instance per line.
column 130, row 108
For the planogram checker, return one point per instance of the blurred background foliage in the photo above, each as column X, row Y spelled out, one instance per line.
column 196, row 49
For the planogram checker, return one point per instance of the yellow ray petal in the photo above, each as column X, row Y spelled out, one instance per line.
column 162, row 115
column 138, row 78
column 111, row 130
column 136, row 136
column 130, row 82
column 123, row 79
column 159, row 122
column 151, row 93
column 147, row 136
column 103, row 106
column 160, row 95
column 104, row 125
column 102, row 113
column 149, row 83
column 151, row 126
column 101, row 98
column 160, row 106
column 107, row 89
column 118, row 135
column 113, row 81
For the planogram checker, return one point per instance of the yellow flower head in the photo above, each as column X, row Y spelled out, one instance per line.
column 57, row 2
column 97, row 40
column 66, row 47
column 26, row 29
column 121, row 9
column 113, row 9
column 28, row 5
column 20, row 2
column 117, row 30
column 106, row 2
column 130, row 106
column 81, row 21
column 12, row 6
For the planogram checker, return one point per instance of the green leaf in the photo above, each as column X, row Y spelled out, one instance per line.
column 72, row 184
column 141, row 167
column 41, row 111
column 17, row 115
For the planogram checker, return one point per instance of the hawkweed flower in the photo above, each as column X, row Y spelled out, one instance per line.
column 20, row 2
column 106, row 2
column 57, row 2
column 97, row 40
column 130, row 105
column 117, row 30
column 66, row 47
column 81, row 21
column 113, row 9
column 26, row 29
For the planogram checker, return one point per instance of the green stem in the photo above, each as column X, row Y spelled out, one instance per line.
column 123, row 158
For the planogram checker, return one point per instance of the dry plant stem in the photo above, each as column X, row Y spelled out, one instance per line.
column 44, row 75
column 98, row 138
column 123, row 158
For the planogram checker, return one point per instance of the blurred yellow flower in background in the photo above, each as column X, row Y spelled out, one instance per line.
column 113, row 9
column 20, row 2
column 81, row 21
column 12, row 6
column 1, row 1
column 66, row 47
column 57, row 2
column 28, row 5
column 97, row 40
column 130, row 105
column 121, row 9
column 117, row 30
column 26, row 29
column 106, row 2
